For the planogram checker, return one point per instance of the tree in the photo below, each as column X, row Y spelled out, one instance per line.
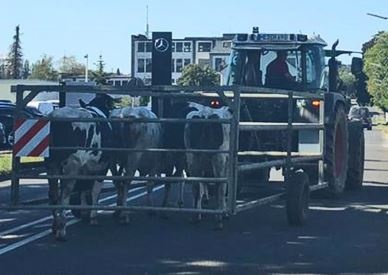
column 70, row 66
column 3, row 73
column 100, row 75
column 44, row 69
column 26, row 70
column 118, row 71
column 348, row 79
column 15, row 58
column 195, row 75
column 376, row 70
column 369, row 44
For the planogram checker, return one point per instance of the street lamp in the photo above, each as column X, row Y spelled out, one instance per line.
column 378, row 16
column 86, row 67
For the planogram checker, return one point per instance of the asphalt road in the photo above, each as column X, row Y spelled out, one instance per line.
column 344, row 235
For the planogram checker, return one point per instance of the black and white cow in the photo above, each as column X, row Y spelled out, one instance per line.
column 136, row 135
column 214, row 135
column 78, row 162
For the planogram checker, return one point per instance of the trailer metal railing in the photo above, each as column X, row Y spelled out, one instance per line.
column 231, row 96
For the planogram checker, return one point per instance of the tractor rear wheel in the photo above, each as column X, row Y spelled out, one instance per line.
column 356, row 156
column 336, row 152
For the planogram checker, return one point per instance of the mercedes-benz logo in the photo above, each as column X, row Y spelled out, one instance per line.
column 161, row 45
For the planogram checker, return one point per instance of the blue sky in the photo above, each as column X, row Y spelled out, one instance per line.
column 75, row 27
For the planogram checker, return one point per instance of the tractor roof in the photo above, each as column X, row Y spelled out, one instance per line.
column 272, row 41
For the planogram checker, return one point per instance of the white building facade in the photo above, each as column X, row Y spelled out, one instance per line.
column 205, row 51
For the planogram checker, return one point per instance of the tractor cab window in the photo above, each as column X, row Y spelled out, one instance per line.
column 283, row 69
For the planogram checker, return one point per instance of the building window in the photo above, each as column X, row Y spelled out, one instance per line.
column 173, row 47
column 179, row 47
column 148, row 65
column 187, row 47
column 140, row 65
column 110, row 82
column 186, row 62
column 117, row 83
column 141, row 47
column 179, row 65
column 204, row 46
column 226, row 44
column 148, row 47
column 173, row 81
column 125, row 83
column 173, row 65
column 219, row 64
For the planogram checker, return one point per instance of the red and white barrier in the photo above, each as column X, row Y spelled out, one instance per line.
column 31, row 138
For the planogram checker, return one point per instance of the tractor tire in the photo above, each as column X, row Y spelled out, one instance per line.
column 336, row 152
column 356, row 156
column 297, row 198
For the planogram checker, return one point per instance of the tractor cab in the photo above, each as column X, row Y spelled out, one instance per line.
column 281, row 61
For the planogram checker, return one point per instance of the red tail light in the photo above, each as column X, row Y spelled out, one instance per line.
column 316, row 103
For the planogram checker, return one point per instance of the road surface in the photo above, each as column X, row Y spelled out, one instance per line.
column 345, row 235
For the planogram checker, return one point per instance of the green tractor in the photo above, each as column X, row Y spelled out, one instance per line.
column 258, row 59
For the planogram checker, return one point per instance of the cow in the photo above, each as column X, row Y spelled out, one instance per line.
column 135, row 135
column 211, row 135
column 74, row 162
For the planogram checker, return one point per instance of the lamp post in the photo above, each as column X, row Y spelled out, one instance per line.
column 86, row 67
column 378, row 16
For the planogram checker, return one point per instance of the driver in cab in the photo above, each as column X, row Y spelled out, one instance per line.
column 278, row 74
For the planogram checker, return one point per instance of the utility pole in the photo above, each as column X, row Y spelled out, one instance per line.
column 86, row 67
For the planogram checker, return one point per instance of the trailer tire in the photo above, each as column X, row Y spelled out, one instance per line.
column 336, row 152
column 355, row 174
column 297, row 198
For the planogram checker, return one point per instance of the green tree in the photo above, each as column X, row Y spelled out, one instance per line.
column 70, row 66
column 195, row 75
column 348, row 80
column 15, row 58
column 376, row 69
column 100, row 76
column 369, row 44
column 3, row 73
column 44, row 69
column 26, row 70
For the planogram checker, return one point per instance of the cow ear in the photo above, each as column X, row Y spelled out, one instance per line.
column 82, row 103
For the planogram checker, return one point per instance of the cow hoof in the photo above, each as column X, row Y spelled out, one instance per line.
column 219, row 227
column 164, row 216
column 151, row 213
column 60, row 236
column 195, row 220
column 93, row 221
column 123, row 220
column 116, row 213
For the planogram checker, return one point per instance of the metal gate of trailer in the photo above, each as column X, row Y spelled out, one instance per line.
column 232, row 96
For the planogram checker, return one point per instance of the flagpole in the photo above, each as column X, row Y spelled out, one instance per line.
column 86, row 68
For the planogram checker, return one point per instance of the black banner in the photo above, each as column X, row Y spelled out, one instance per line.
column 161, row 64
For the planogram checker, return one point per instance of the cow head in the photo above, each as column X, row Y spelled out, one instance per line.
column 104, row 102
column 206, row 135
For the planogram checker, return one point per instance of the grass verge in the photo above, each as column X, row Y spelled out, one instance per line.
column 6, row 163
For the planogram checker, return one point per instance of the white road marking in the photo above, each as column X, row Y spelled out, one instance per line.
column 71, row 222
column 18, row 228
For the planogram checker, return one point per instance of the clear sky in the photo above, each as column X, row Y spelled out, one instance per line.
column 94, row 27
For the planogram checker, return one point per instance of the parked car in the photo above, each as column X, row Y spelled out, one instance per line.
column 7, row 111
column 362, row 114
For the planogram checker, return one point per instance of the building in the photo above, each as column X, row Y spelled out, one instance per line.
column 205, row 51
column 111, row 79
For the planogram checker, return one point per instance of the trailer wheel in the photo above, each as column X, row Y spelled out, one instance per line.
column 297, row 198
column 356, row 156
column 336, row 152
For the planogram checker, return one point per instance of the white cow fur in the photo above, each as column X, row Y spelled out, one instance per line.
column 219, row 162
column 148, row 135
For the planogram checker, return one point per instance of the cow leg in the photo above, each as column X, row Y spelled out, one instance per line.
column 150, row 189
column 66, row 189
column 119, row 186
column 221, row 204
column 124, row 215
column 53, row 195
column 198, row 190
column 181, row 189
column 96, row 190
